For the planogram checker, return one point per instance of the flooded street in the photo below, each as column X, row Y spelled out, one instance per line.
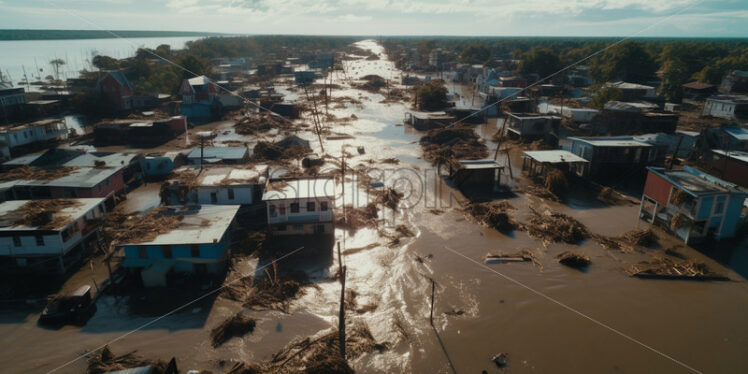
column 478, row 313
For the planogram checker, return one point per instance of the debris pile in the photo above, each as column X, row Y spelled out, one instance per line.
column 447, row 145
column 356, row 218
column 372, row 83
column 43, row 214
column 663, row 267
column 266, row 151
column 556, row 227
column 493, row 214
column 573, row 260
column 32, row 173
column 644, row 237
column 105, row 361
column 556, row 182
column 275, row 293
column 610, row 196
column 541, row 192
column 389, row 197
column 261, row 123
column 237, row 325
column 132, row 228
column 681, row 197
column 524, row 255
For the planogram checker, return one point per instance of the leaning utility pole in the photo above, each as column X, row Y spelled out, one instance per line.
column 341, row 316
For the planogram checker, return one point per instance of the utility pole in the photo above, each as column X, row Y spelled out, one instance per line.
column 341, row 316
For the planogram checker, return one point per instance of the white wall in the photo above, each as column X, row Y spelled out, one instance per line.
column 288, row 217
column 242, row 195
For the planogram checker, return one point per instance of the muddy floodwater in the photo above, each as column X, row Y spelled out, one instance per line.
column 596, row 321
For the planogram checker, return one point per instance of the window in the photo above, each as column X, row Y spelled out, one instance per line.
column 282, row 210
column 213, row 198
column 195, row 250
column 319, row 229
column 298, row 227
column 231, row 194
column 39, row 240
column 17, row 241
column 142, row 252
column 310, row 206
column 294, row 207
column 719, row 206
column 166, row 251
column 106, row 182
column 271, row 210
column 323, row 206
column 99, row 187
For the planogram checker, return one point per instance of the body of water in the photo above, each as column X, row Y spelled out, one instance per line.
column 35, row 55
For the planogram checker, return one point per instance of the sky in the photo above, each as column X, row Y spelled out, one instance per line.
column 652, row 18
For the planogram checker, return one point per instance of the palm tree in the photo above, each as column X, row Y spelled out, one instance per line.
column 56, row 63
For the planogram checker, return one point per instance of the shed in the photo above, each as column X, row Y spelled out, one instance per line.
column 540, row 162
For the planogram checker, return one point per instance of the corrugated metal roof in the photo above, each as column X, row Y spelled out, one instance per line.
column 299, row 189
column 109, row 160
column 201, row 225
column 223, row 153
column 622, row 141
column 9, row 208
column 82, row 177
column 554, row 156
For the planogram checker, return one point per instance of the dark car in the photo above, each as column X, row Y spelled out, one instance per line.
column 75, row 308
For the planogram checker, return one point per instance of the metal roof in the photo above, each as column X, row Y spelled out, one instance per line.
column 223, row 153
column 738, row 155
column 554, row 156
column 81, row 177
column 9, row 213
column 612, row 141
column 231, row 176
column 202, row 224
column 737, row 132
column 694, row 182
column 299, row 189
column 480, row 164
column 109, row 159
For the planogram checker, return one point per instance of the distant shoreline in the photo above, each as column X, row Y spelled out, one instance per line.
column 27, row 35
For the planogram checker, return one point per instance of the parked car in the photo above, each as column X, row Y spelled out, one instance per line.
column 75, row 308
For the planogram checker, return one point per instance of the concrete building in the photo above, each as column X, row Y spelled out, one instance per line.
column 54, row 243
column 30, row 136
column 538, row 163
column 200, row 245
column 300, row 206
column 692, row 204
column 732, row 107
column 218, row 155
column 621, row 156
column 530, row 127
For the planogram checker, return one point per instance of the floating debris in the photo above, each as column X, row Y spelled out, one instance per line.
column 556, row 227
column 501, row 360
column 105, row 361
column 493, row 214
column 236, row 326
column 666, row 268
column 574, row 260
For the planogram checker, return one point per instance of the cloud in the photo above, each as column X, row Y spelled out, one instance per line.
column 354, row 18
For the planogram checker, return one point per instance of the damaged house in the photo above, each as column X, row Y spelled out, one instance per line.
column 199, row 98
column 731, row 107
column 218, row 186
column 196, row 241
column 300, row 206
column 218, row 155
column 47, row 236
column 27, row 137
column 423, row 121
column 628, row 118
column 116, row 89
column 616, row 156
column 530, row 127
column 692, row 204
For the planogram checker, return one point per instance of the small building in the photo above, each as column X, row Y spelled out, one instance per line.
column 423, row 121
column 633, row 91
column 129, row 162
column 199, row 245
column 698, row 90
column 304, row 77
column 155, row 132
column 199, row 97
column 219, row 186
column 288, row 110
column 731, row 166
column 736, row 82
column 731, row 107
column 616, row 156
column 158, row 166
column 115, row 87
column 80, row 182
column 300, row 206
column 530, row 127
column 51, row 158
column 538, row 163
column 628, row 118
column 12, row 100
column 51, row 242
column 22, row 138
column 692, row 204
column 218, row 155
column 477, row 175
column 578, row 115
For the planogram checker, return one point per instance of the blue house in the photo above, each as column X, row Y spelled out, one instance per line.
column 159, row 166
column 199, row 245
column 199, row 98
column 693, row 204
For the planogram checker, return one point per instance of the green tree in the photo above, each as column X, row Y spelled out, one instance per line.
column 432, row 96
column 475, row 54
column 105, row 62
column 193, row 66
column 605, row 94
column 675, row 75
column 543, row 61
column 628, row 61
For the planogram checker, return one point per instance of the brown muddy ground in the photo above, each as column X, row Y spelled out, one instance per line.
column 478, row 313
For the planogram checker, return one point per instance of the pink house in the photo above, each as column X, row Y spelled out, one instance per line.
column 115, row 87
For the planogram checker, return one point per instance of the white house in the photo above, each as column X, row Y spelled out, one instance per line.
column 17, row 136
column 66, row 231
column 734, row 107
column 300, row 206
column 219, row 186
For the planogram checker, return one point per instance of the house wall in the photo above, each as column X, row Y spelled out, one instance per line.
column 303, row 216
column 731, row 170
column 181, row 260
column 718, row 109
column 106, row 187
column 157, row 166
column 657, row 188
column 302, row 228
column 732, row 216
column 242, row 195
